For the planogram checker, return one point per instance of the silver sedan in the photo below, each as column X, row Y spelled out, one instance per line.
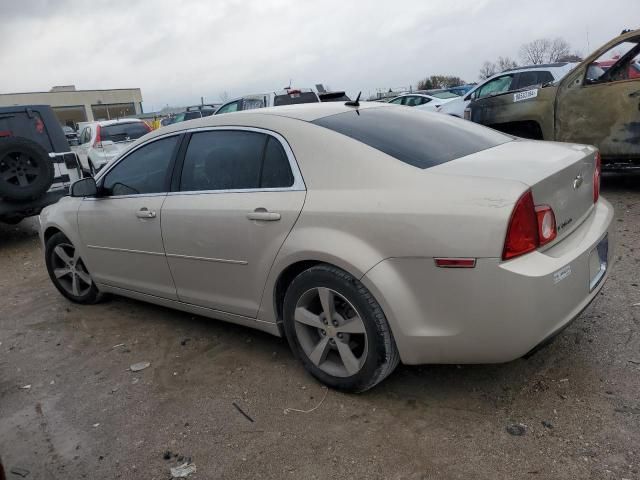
column 365, row 234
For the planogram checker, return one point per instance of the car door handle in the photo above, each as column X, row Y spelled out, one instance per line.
column 144, row 212
column 264, row 215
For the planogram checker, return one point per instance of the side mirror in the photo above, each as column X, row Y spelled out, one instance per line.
column 85, row 187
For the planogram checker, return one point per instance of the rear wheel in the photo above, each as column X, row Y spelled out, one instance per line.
column 68, row 271
column 338, row 330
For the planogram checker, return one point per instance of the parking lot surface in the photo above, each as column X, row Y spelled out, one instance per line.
column 70, row 407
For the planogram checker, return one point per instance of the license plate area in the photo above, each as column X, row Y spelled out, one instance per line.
column 598, row 262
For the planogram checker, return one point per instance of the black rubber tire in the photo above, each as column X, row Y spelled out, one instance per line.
column 29, row 154
column 91, row 297
column 382, row 357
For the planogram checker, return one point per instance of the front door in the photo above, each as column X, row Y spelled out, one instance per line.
column 599, row 103
column 239, row 195
column 121, row 228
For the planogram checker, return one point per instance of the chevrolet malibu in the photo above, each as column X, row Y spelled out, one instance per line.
column 366, row 234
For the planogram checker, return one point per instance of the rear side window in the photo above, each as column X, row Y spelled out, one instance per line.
column 234, row 160
column 120, row 132
column 276, row 171
column 294, row 98
column 418, row 138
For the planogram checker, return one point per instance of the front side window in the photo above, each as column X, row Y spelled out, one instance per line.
column 397, row 101
column 234, row 160
column 618, row 63
column 495, row 86
column 146, row 170
column 229, row 107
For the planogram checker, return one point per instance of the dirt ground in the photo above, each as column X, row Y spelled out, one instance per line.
column 85, row 415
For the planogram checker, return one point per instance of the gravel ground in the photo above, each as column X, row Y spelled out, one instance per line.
column 85, row 415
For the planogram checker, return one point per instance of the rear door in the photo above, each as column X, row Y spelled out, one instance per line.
column 601, row 106
column 237, row 196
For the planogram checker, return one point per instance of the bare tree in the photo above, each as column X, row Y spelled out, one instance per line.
column 544, row 50
column 505, row 63
column 559, row 48
column 224, row 96
column 487, row 70
column 439, row 81
column 535, row 52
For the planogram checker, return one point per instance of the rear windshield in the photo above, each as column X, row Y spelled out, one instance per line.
column 120, row 132
column 421, row 139
column 293, row 98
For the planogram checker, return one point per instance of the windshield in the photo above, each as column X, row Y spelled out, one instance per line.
column 121, row 132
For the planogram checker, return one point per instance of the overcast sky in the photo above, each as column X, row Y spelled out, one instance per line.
column 177, row 51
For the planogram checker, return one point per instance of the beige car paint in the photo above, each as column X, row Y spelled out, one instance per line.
column 130, row 255
column 606, row 115
column 383, row 221
column 224, row 260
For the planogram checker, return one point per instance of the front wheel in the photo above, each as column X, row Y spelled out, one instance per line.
column 338, row 330
column 68, row 272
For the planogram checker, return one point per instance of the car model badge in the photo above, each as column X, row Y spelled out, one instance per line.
column 577, row 182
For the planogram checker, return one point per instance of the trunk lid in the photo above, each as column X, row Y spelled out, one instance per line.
column 559, row 174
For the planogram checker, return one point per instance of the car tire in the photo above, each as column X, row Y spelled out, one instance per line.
column 68, row 272
column 26, row 171
column 355, row 350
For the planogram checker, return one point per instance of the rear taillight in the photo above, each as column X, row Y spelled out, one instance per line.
column 546, row 224
column 522, row 234
column 98, row 141
column 596, row 178
column 530, row 227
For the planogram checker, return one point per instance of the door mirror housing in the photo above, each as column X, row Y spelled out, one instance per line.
column 85, row 187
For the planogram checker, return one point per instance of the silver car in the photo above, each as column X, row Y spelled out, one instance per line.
column 366, row 234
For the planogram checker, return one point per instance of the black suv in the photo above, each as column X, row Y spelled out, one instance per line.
column 36, row 162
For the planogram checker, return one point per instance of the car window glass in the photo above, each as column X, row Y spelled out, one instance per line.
column 295, row 97
column 412, row 137
column 526, row 79
column 143, row 171
column 122, row 132
column 276, row 171
column 410, row 102
column 623, row 61
column 251, row 103
column 397, row 101
column 545, row 77
column 495, row 86
column 83, row 136
column 223, row 160
column 229, row 107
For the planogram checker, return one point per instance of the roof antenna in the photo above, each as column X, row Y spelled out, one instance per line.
column 354, row 103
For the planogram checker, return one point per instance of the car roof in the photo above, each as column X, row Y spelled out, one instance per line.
column 307, row 112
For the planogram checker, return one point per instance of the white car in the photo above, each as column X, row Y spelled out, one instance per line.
column 513, row 79
column 289, row 96
column 423, row 101
column 101, row 142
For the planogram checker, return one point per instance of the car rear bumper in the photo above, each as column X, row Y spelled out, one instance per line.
column 16, row 210
column 497, row 311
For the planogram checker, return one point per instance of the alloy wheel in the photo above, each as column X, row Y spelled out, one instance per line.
column 331, row 332
column 70, row 271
